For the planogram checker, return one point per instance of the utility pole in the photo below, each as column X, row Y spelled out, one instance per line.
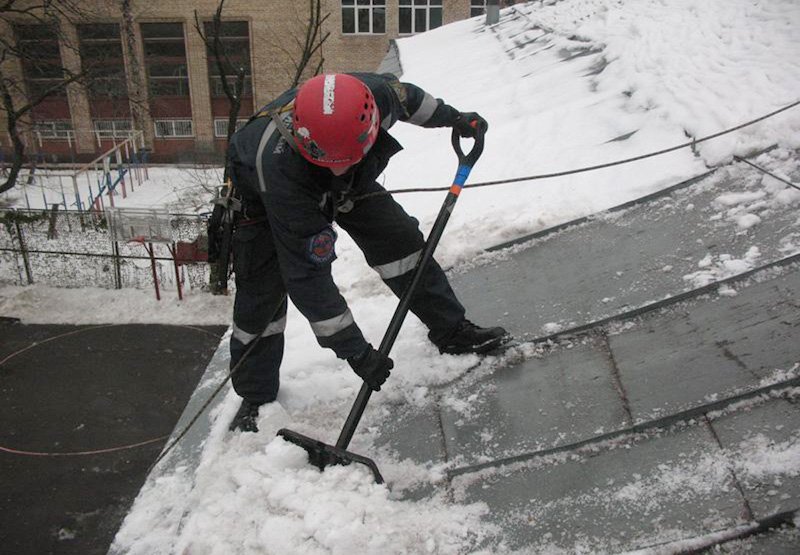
column 492, row 12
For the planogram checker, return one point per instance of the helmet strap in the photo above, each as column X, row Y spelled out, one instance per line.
column 284, row 131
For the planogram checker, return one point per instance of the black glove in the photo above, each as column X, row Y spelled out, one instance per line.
column 372, row 367
column 468, row 124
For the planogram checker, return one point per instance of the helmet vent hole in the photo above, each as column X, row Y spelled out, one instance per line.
column 363, row 117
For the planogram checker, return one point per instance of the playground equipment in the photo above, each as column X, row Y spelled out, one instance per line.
column 105, row 174
column 118, row 170
column 149, row 227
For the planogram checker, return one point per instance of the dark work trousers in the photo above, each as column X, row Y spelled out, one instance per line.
column 391, row 242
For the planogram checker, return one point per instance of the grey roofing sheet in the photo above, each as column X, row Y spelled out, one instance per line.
column 682, row 356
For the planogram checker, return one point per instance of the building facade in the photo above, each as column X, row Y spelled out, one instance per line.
column 152, row 70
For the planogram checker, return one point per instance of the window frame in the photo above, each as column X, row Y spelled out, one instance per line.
column 178, row 80
column 173, row 124
column 221, row 127
column 477, row 8
column 54, row 130
column 46, row 71
column 100, row 48
column 229, row 38
column 413, row 7
column 110, row 128
column 370, row 8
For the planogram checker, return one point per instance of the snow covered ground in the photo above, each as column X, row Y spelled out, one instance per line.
column 561, row 84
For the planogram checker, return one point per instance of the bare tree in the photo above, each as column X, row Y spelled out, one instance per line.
column 314, row 39
column 17, row 97
column 212, row 36
column 309, row 48
column 139, row 107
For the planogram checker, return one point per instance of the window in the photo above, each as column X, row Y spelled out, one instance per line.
column 174, row 128
column 165, row 57
column 477, row 7
column 363, row 17
column 113, row 128
column 100, row 48
column 234, row 37
column 417, row 16
column 221, row 127
column 59, row 129
column 40, row 58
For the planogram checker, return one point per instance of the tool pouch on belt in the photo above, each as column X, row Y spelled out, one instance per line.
column 227, row 208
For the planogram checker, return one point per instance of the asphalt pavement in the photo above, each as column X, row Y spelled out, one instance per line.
column 85, row 412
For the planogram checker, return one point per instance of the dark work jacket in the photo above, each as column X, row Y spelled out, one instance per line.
column 300, row 199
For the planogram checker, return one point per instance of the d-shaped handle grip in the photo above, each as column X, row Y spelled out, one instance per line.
column 470, row 158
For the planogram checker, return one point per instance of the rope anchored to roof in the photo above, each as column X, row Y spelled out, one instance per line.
column 687, row 144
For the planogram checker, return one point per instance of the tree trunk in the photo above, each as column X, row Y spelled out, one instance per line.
column 138, row 103
column 13, row 132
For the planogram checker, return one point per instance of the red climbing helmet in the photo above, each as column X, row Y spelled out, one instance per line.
column 335, row 120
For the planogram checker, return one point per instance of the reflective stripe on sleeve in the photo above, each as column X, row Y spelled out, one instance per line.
column 398, row 267
column 261, row 145
column 425, row 111
column 274, row 328
column 332, row 326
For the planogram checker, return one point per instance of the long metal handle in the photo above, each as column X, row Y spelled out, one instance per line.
column 465, row 163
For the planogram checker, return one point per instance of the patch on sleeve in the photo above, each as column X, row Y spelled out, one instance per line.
column 321, row 246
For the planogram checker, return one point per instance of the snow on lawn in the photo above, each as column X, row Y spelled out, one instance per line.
column 185, row 190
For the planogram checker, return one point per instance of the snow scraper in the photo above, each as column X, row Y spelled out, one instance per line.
column 321, row 454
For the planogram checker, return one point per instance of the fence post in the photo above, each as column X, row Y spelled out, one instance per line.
column 173, row 250
column 44, row 196
column 117, row 270
column 149, row 248
column 25, row 192
column 24, row 252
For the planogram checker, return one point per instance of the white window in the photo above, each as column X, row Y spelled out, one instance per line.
column 113, row 128
column 477, row 7
column 59, row 129
column 174, row 128
column 363, row 17
column 221, row 126
column 417, row 16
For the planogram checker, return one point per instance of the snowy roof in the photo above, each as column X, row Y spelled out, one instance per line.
column 654, row 397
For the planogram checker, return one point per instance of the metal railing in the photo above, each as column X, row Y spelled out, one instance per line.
column 128, row 158
column 73, row 248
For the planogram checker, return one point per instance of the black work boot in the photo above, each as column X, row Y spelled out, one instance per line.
column 245, row 419
column 469, row 338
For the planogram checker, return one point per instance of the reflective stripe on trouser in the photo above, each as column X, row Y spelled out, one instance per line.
column 272, row 328
column 392, row 243
column 259, row 309
column 399, row 267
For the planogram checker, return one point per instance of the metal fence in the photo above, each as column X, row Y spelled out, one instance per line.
column 76, row 249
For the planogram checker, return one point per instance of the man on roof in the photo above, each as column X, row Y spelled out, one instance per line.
column 298, row 165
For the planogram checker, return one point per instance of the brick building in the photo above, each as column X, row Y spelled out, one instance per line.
column 154, row 72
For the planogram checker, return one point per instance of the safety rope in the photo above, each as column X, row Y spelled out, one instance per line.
column 689, row 416
column 202, row 409
column 769, row 173
column 584, row 169
column 81, row 453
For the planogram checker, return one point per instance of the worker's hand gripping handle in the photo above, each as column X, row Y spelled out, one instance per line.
column 470, row 158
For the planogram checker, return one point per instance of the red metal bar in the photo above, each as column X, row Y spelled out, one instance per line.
column 149, row 249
